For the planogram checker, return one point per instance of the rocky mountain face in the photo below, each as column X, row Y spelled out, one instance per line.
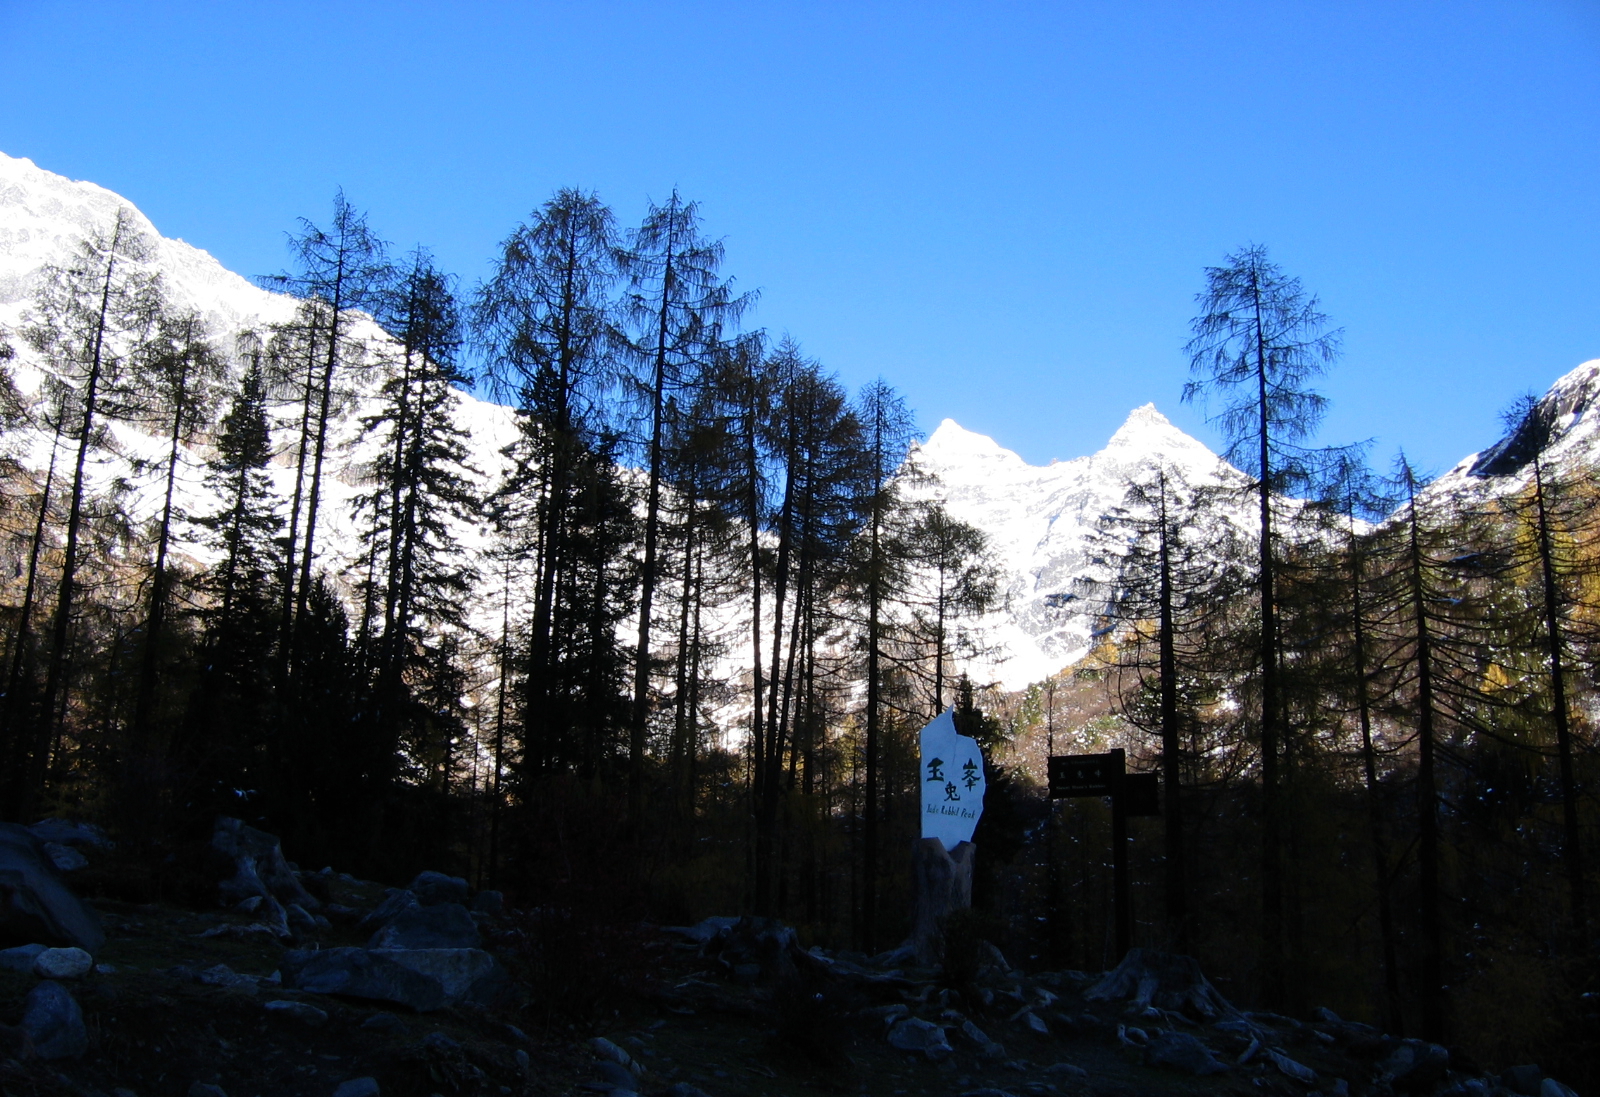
column 1041, row 521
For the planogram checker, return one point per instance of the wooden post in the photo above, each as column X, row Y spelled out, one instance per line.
column 1119, row 854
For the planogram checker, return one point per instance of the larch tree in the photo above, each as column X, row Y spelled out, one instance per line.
column 338, row 270
column 1259, row 341
column 91, row 320
column 678, row 306
column 544, row 320
column 886, row 432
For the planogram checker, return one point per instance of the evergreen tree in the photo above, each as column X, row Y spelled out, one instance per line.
column 678, row 306
column 420, row 488
column 1258, row 342
column 879, row 569
column 338, row 271
column 181, row 370
column 91, row 319
column 544, row 320
column 226, row 732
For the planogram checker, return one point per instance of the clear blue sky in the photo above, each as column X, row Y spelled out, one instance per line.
column 1004, row 209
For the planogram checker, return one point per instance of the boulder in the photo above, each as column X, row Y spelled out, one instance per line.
column 359, row 973
column 432, row 888
column 21, row 958
column 760, row 950
column 62, row 963
column 384, row 1022
column 466, row 974
column 1165, row 980
column 395, row 902
column 35, row 905
column 357, row 1087
column 615, row 1076
column 1416, row 1065
column 1290, row 1068
column 54, row 1022
column 65, row 858
column 64, row 832
column 488, row 902
column 1523, row 1079
column 444, row 925
column 914, row 1034
column 1184, row 1052
column 304, row 1012
column 704, row 931
column 258, row 864
column 1552, row 1088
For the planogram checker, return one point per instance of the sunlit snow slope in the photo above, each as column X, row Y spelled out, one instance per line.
column 42, row 218
column 1039, row 519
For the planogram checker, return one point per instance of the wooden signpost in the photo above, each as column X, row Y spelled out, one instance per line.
column 1131, row 794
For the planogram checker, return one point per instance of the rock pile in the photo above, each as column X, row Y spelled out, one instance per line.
column 425, row 952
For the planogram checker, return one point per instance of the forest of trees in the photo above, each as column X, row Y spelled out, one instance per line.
column 682, row 668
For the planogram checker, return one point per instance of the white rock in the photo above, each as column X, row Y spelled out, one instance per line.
column 63, row 963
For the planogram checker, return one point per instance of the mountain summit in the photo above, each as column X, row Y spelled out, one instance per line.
column 1040, row 521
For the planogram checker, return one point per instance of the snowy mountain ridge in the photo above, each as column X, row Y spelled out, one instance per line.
column 1041, row 520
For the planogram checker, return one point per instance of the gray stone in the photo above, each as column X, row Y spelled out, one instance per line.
column 488, row 902
column 432, row 888
column 684, row 1089
column 35, row 905
column 1069, row 1070
column 299, row 918
column 221, row 975
column 440, row 1041
column 54, row 1022
column 21, row 958
column 304, row 1012
column 1035, row 1023
column 63, row 963
column 914, row 1034
column 1552, row 1088
column 65, row 858
column 360, row 973
column 1292, row 1069
column 206, row 1089
column 1416, row 1065
column 611, row 1052
column 384, row 1022
column 524, row 1064
column 619, row 1077
column 466, row 974
column 395, row 901
column 1523, row 1079
column 444, row 925
column 1181, row 1051
column 357, row 1087
column 705, row 930
column 64, row 832
column 259, row 867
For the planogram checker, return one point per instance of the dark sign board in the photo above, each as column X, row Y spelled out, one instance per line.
column 1084, row 774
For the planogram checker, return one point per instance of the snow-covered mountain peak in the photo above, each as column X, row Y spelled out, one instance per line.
column 1564, row 429
column 45, row 215
column 952, row 444
column 1040, row 521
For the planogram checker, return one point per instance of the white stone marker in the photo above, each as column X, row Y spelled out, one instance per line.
column 952, row 782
